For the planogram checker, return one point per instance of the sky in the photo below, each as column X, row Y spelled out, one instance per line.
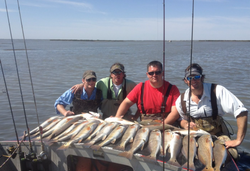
column 126, row 19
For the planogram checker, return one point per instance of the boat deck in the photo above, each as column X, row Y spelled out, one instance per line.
column 58, row 158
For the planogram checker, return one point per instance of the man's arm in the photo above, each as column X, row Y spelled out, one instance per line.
column 172, row 116
column 123, row 108
column 63, row 111
column 242, row 129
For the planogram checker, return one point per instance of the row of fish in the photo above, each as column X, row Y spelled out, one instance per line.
column 96, row 133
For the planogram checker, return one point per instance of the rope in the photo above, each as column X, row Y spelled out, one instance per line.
column 13, row 151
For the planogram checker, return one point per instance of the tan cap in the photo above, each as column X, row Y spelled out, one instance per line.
column 117, row 66
column 89, row 74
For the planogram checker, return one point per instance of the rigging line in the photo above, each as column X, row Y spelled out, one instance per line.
column 18, row 147
column 163, row 70
column 191, row 58
column 11, row 111
column 24, row 41
column 12, row 42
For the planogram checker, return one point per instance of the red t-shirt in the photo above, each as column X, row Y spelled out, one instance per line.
column 152, row 97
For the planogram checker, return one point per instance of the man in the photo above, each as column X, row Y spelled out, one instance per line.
column 204, row 114
column 114, row 90
column 149, row 97
column 89, row 99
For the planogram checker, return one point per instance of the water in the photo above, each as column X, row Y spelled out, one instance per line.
column 57, row 65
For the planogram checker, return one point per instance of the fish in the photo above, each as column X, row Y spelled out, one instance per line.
column 68, row 133
column 195, row 133
column 140, row 140
column 62, row 125
column 102, row 134
column 69, row 129
column 127, row 137
column 175, row 149
column 119, row 120
column 167, row 139
column 45, row 123
column 192, row 150
column 84, row 133
column 113, row 136
column 219, row 154
column 205, row 151
column 99, row 127
column 154, row 144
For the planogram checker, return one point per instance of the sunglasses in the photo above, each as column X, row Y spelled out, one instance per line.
column 116, row 72
column 93, row 79
column 193, row 77
column 156, row 73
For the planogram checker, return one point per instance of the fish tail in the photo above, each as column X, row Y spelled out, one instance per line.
column 120, row 147
column 174, row 162
column 216, row 168
column 127, row 154
column 161, row 153
column 191, row 166
column 87, row 145
column 208, row 169
column 95, row 147
column 64, row 146
column 150, row 158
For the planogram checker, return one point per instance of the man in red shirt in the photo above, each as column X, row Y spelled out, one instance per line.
column 149, row 97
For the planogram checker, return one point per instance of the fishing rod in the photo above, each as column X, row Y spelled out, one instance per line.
column 11, row 111
column 163, row 70
column 13, row 48
column 33, row 92
column 191, row 58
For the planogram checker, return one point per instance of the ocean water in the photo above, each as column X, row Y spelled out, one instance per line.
column 57, row 65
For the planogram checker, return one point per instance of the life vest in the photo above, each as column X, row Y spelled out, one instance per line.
column 110, row 106
column 214, row 124
column 81, row 106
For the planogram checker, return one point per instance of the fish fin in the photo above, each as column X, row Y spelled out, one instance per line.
column 191, row 166
column 131, row 139
column 197, row 145
column 95, row 147
column 212, row 144
column 113, row 141
column 104, row 137
column 142, row 146
column 127, row 154
column 174, row 162
column 208, row 169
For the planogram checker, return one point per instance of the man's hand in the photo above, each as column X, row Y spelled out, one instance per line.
column 77, row 87
column 68, row 113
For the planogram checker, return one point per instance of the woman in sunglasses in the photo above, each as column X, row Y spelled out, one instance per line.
column 208, row 103
column 88, row 99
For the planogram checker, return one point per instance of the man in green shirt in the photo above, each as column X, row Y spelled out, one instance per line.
column 114, row 90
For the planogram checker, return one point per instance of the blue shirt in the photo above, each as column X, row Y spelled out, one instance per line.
column 67, row 97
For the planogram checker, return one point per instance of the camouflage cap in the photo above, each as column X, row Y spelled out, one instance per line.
column 89, row 74
column 117, row 66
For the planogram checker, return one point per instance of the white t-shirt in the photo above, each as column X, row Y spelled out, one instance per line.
column 227, row 103
column 116, row 89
